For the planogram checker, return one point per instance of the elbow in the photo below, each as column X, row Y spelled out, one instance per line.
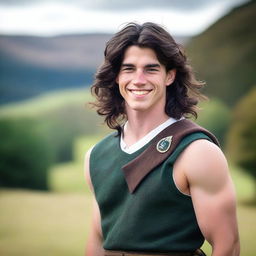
column 235, row 246
column 227, row 248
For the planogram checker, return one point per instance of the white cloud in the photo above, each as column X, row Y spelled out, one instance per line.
column 58, row 18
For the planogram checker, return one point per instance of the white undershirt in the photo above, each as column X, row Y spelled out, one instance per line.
column 147, row 138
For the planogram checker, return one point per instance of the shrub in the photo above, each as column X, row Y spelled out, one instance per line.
column 215, row 116
column 25, row 154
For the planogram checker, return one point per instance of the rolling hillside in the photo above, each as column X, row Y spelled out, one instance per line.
column 225, row 55
column 30, row 65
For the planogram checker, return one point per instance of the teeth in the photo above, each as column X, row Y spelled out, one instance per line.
column 140, row 92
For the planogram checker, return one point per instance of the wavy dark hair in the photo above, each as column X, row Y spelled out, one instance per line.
column 182, row 97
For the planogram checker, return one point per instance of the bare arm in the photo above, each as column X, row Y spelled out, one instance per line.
column 94, row 243
column 213, row 196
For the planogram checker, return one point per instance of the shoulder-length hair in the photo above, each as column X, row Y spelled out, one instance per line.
column 181, row 98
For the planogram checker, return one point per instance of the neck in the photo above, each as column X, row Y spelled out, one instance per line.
column 140, row 124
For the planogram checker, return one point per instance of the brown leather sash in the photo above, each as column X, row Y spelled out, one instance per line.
column 136, row 170
column 120, row 253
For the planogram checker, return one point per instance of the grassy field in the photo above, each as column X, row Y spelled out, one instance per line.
column 34, row 223
column 56, row 223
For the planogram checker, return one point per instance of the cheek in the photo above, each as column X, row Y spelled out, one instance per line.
column 122, row 81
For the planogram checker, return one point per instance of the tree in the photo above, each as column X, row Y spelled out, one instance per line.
column 242, row 137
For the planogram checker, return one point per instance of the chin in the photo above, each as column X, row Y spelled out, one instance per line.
column 139, row 108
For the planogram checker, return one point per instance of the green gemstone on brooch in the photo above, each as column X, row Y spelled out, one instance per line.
column 164, row 144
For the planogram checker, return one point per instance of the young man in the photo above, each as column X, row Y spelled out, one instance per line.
column 160, row 182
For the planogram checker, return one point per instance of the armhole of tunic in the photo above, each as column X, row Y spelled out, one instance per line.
column 177, row 188
column 180, row 149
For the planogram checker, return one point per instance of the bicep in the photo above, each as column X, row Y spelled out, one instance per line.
column 94, row 243
column 96, row 220
column 213, row 195
column 216, row 212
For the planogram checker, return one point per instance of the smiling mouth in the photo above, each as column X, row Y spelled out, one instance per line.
column 139, row 92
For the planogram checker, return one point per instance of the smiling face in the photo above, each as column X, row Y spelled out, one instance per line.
column 142, row 81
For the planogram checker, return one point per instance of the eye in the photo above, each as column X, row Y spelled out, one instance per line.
column 152, row 69
column 127, row 69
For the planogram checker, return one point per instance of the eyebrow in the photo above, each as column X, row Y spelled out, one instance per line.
column 127, row 65
column 153, row 65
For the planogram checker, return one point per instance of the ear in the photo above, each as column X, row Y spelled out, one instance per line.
column 117, row 79
column 170, row 77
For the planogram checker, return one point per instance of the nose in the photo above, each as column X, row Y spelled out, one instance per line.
column 139, row 78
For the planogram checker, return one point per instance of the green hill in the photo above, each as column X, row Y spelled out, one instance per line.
column 46, row 103
column 225, row 54
column 62, row 116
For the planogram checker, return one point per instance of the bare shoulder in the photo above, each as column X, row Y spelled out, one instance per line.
column 205, row 165
column 205, row 151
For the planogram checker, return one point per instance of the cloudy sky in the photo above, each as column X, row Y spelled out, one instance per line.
column 52, row 17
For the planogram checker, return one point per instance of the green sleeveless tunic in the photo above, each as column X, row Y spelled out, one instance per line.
column 157, row 217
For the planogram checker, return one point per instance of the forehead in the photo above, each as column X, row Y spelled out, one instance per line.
column 140, row 54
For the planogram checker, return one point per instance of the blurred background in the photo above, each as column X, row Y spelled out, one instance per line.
column 49, row 52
